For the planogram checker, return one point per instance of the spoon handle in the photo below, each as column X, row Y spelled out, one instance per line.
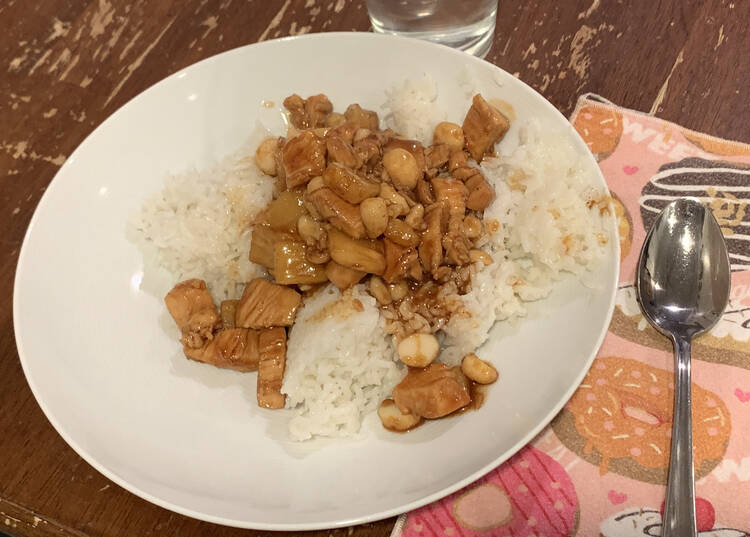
column 679, row 505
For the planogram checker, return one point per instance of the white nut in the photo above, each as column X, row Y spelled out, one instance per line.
column 374, row 212
column 415, row 218
column 478, row 370
column 399, row 290
column 449, row 134
column 379, row 290
column 418, row 350
column 402, row 168
column 480, row 255
column 394, row 420
column 265, row 156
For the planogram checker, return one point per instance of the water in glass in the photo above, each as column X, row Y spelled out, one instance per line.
column 463, row 24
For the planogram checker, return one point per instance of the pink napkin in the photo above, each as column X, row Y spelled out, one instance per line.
column 600, row 467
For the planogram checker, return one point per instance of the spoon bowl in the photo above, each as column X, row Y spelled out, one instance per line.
column 683, row 286
column 683, row 271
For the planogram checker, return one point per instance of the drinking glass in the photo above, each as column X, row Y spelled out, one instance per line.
column 466, row 25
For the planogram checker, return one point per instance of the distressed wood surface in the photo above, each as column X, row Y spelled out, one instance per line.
column 65, row 65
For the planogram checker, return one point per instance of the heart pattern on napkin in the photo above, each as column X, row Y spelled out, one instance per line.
column 616, row 497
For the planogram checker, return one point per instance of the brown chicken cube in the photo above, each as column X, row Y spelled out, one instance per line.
column 308, row 113
column 347, row 184
column 457, row 246
column 232, row 348
column 364, row 119
column 398, row 261
column 452, row 193
column 264, row 304
column 345, row 131
column 481, row 193
column 483, row 127
column 272, row 350
column 436, row 157
column 192, row 308
column 228, row 312
column 340, row 151
column 424, row 193
column 457, row 159
column 303, row 157
column 431, row 247
column 339, row 212
column 341, row 276
column 432, row 392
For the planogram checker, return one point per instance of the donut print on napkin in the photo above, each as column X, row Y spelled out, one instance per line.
column 599, row 469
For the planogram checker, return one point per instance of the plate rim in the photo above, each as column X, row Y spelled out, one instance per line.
column 380, row 515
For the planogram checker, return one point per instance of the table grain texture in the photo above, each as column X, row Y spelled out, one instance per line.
column 65, row 65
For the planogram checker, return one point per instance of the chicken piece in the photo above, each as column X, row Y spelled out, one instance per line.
column 432, row 392
column 483, row 127
column 464, row 173
column 347, row 184
column 412, row 146
column 228, row 312
column 457, row 159
column 340, row 213
column 272, row 350
column 339, row 150
column 232, row 348
column 452, row 193
column 364, row 119
column 192, row 308
column 368, row 150
column 341, row 276
column 424, row 193
column 431, row 246
column 481, row 193
column 303, row 158
column 278, row 158
column 345, row 131
column 264, row 304
column 457, row 246
column 308, row 113
column 436, row 157
column 398, row 260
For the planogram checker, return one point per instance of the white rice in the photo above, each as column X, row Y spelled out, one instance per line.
column 412, row 111
column 197, row 226
column 340, row 364
column 544, row 231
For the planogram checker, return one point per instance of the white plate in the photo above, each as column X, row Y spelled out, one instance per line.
column 190, row 437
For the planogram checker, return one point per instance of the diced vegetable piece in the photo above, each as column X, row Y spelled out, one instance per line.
column 283, row 212
column 262, row 246
column 355, row 254
column 292, row 267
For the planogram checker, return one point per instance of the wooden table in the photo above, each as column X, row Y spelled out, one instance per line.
column 68, row 64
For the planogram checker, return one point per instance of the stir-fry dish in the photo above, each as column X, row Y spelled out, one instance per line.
column 354, row 203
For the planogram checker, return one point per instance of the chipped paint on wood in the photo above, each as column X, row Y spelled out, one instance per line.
column 663, row 90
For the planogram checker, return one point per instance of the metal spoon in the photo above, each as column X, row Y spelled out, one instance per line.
column 683, row 288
